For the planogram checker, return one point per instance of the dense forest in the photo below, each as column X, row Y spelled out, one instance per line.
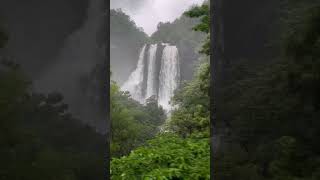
column 180, row 33
column 267, row 113
column 148, row 144
column 39, row 138
column 267, row 107
column 126, row 39
column 47, row 46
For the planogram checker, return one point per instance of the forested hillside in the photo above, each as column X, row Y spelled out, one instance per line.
column 39, row 139
column 267, row 103
column 60, row 51
column 179, row 148
column 126, row 39
column 180, row 33
column 267, row 100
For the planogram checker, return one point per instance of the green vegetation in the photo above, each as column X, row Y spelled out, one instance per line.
column 181, row 154
column 132, row 123
column 202, row 12
column 192, row 100
column 38, row 138
column 268, row 116
column 180, row 33
column 166, row 157
column 124, row 28
column 271, row 116
column 126, row 39
column 181, row 150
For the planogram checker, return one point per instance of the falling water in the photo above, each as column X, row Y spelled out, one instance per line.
column 169, row 76
column 151, row 86
column 135, row 81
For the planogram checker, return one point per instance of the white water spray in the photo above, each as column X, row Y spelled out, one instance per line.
column 151, row 86
column 167, row 78
column 134, row 83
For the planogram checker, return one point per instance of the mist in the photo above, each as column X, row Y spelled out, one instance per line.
column 81, row 52
column 36, row 31
column 148, row 13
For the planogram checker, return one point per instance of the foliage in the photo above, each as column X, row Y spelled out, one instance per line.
column 302, row 51
column 203, row 13
column 192, row 102
column 165, row 157
column 182, row 153
column 192, row 99
column 170, row 155
column 180, row 33
column 132, row 123
column 272, row 111
column 123, row 26
column 126, row 39
column 38, row 138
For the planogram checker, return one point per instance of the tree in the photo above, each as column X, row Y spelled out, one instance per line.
column 131, row 122
column 203, row 13
column 165, row 157
column 39, row 139
column 271, row 107
column 192, row 102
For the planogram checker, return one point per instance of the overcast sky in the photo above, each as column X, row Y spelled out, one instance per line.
column 148, row 13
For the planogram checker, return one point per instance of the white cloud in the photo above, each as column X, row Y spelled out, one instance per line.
column 148, row 13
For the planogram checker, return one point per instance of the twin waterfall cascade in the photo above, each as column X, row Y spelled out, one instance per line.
column 157, row 74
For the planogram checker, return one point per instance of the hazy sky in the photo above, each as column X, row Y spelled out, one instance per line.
column 148, row 13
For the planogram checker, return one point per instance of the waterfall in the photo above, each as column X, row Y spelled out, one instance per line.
column 151, row 87
column 162, row 82
column 169, row 75
column 135, row 81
